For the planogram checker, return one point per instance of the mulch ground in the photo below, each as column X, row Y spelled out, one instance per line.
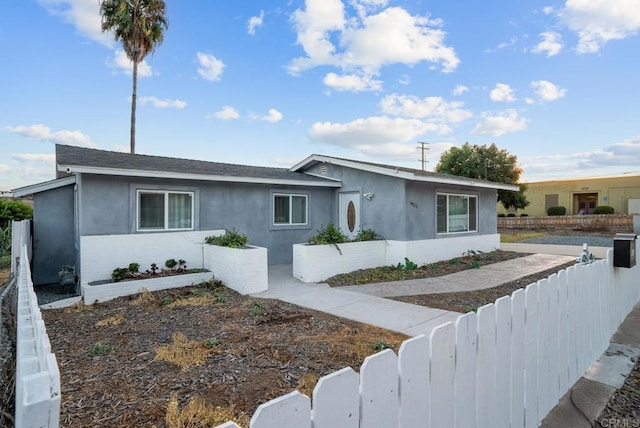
column 249, row 351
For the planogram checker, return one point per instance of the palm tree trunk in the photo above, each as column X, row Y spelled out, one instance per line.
column 133, row 107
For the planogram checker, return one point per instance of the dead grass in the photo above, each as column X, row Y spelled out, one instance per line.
column 114, row 320
column 145, row 298
column 182, row 352
column 197, row 413
column 192, row 301
column 519, row 237
column 77, row 307
column 307, row 383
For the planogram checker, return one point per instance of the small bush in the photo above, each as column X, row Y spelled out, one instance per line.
column 99, row 349
column 367, row 235
column 524, row 215
column 5, row 261
column 232, row 239
column 603, row 209
column 381, row 345
column 211, row 342
column 134, row 267
column 511, row 215
column 120, row 274
column 502, row 215
column 330, row 234
column 408, row 265
column 551, row 211
column 171, row 263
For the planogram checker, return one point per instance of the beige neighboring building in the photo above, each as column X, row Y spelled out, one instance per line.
column 582, row 195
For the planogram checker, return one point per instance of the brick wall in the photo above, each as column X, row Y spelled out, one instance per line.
column 596, row 222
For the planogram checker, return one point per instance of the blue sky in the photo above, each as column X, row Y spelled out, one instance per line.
column 268, row 83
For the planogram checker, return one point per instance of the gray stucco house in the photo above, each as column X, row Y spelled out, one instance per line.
column 114, row 208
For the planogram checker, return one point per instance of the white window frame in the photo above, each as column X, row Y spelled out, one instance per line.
column 290, row 196
column 166, row 194
column 448, row 195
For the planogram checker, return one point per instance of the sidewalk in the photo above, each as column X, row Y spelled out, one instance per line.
column 365, row 303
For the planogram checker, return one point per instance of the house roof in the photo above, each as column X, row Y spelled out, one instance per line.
column 401, row 172
column 42, row 187
column 72, row 159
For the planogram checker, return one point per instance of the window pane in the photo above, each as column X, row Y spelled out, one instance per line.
column 299, row 209
column 441, row 214
column 473, row 203
column 280, row 209
column 151, row 211
column 180, row 215
column 458, row 213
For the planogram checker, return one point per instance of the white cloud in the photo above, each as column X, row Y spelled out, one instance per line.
column 122, row 62
column 405, row 79
column 460, row 89
column 373, row 135
column 502, row 93
column 48, row 159
column 598, row 21
column 255, row 22
column 210, row 67
column 361, row 45
column 551, row 44
column 547, row 10
column 273, row 116
column 435, row 108
column 547, row 91
column 84, row 15
column 227, row 113
column 43, row 133
column 626, row 153
column 352, row 82
column 166, row 103
column 504, row 122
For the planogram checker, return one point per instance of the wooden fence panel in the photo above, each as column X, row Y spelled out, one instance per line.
column 466, row 369
column 336, row 400
column 413, row 369
column 292, row 410
column 379, row 391
column 503, row 361
column 531, row 358
column 486, row 377
column 517, row 358
column 442, row 349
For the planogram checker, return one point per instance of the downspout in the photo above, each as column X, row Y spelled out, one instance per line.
column 77, row 192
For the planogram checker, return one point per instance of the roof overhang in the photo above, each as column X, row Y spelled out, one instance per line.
column 43, row 187
column 458, row 181
column 71, row 169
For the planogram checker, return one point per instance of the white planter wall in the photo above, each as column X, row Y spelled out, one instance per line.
column 242, row 269
column 104, row 292
column 315, row 263
column 101, row 254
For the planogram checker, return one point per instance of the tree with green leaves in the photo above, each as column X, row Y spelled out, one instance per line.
column 486, row 163
column 139, row 25
column 14, row 210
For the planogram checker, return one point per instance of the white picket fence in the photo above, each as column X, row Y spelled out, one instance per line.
column 505, row 366
column 37, row 399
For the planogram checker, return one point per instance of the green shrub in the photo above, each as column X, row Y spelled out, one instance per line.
column 408, row 265
column 232, row 239
column 502, row 215
column 381, row 345
column 134, row 267
column 99, row 349
column 551, row 211
column 14, row 210
column 524, row 215
column 5, row 261
column 120, row 274
column 5, row 240
column 171, row 263
column 367, row 235
column 603, row 209
column 329, row 235
column 511, row 215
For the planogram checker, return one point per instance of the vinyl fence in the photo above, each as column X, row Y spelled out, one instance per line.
column 505, row 366
column 37, row 373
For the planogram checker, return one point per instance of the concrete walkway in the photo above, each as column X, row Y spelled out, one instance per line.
column 365, row 303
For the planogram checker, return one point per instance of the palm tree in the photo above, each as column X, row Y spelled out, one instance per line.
column 139, row 26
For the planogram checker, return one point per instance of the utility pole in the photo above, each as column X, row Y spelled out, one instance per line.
column 423, row 147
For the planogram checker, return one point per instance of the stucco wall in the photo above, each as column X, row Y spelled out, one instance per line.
column 53, row 234
column 109, row 203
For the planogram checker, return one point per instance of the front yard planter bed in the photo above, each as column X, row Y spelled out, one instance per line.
column 242, row 269
column 315, row 263
column 101, row 291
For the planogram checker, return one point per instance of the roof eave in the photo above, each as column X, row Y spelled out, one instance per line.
column 190, row 176
column 313, row 159
column 43, row 187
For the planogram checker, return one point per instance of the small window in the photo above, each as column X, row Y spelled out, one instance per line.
column 289, row 209
column 456, row 213
column 162, row 210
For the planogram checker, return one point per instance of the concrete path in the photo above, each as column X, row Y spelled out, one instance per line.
column 468, row 280
column 366, row 304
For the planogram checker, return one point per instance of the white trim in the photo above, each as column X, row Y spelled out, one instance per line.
column 462, row 181
column 290, row 196
column 166, row 194
column 468, row 196
column 43, row 187
column 190, row 176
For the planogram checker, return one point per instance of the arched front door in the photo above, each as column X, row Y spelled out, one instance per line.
column 349, row 213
